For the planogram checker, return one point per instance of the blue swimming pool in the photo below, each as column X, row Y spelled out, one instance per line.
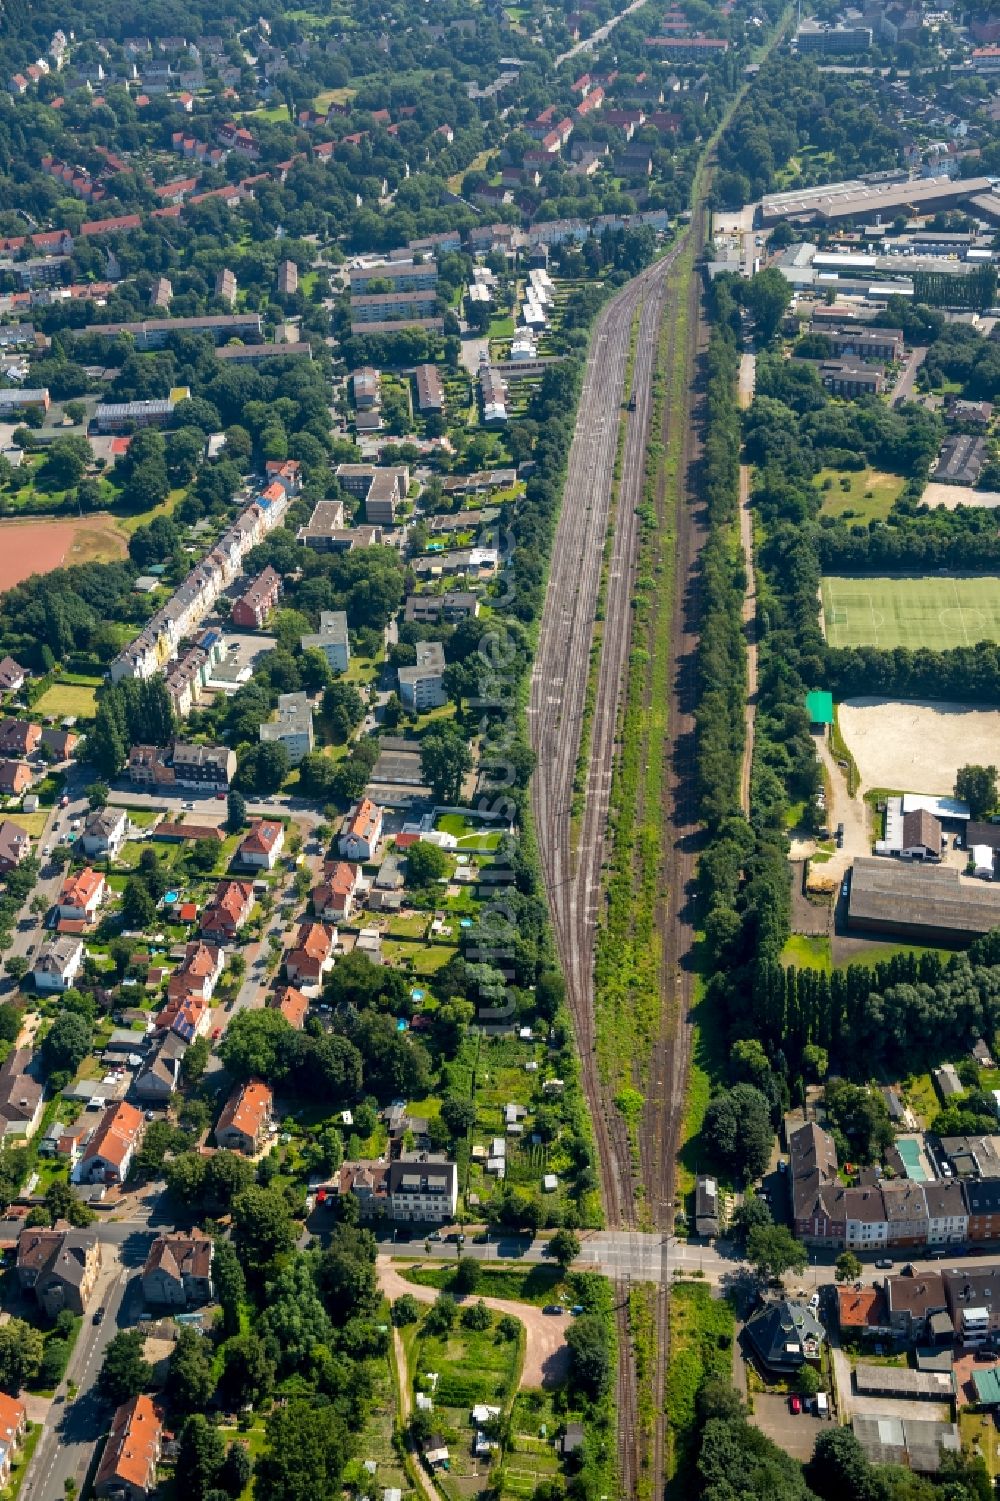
column 169, row 898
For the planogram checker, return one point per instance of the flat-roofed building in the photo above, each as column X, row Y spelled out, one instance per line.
column 324, row 528
column 293, row 727
column 331, row 639
column 422, row 686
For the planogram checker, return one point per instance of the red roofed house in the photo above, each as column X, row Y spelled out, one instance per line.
column 591, row 102
column 81, row 896
column 259, row 600
column 260, row 848
column 127, row 1471
column 284, row 472
column 15, row 777
column 362, row 831
column 245, row 1118
column 333, row 898
column 13, row 1421
column 108, row 1154
column 228, row 910
column 292, row 1004
column 187, row 1016
column 19, row 737
column 199, row 972
column 312, row 956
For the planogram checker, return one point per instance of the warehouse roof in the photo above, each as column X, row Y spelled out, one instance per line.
column 935, row 897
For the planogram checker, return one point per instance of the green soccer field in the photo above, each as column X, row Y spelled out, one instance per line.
column 938, row 612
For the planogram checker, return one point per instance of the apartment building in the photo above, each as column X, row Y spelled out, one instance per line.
column 293, row 727
column 401, row 276
column 422, row 686
column 392, row 307
column 153, row 333
column 253, row 608
column 331, row 639
column 418, row 1186
column 849, row 377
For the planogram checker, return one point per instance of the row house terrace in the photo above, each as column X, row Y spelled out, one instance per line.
column 158, row 642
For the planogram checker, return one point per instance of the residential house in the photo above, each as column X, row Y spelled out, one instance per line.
column 921, row 836
column 108, row 1154
column 15, row 777
column 362, row 831
column 13, row 1423
column 260, row 848
column 15, row 845
column 104, row 832
column 292, row 1004
column 81, row 896
column 183, row 765
column 62, row 743
column 312, row 956
column 12, row 675
column 21, row 1095
column 333, row 900
column 19, row 737
column 706, row 1210
column 198, row 973
column 948, row 1214
column 253, row 608
column 59, row 1266
column 293, row 727
column 160, row 1075
column 127, row 1471
column 58, row 964
column 418, row 1186
column 228, row 910
column 246, row 1117
column 905, row 1209
column 813, row 1168
column 178, row 1271
column 784, row 1334
column 982, row 1200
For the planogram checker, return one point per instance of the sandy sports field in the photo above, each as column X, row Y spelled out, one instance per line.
column 940, row 611
column 917, row 746
column 28, row 547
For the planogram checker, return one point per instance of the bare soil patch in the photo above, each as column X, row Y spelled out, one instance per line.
column 917, row 746
column 953, row 496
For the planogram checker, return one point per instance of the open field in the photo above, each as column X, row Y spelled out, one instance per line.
column 67, row 698
column 39, row 546
column 938, row 612
column 917, row 745
column 953, row 496
column 864, row 494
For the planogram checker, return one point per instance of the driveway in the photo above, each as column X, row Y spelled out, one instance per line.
column 907, row 376
column 546, row 1356
column 852, row 812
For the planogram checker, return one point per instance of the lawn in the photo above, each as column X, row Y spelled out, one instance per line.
column 807, row 952
column 939, row 613
column 922, row 1098
column 67, row 698
column 519, row 1284
column 862, row 494
column 323, row 100
column 979, row 1436
column 473, row 1366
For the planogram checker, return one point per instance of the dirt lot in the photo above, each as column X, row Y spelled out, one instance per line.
column 953, row 496
column 917, row 746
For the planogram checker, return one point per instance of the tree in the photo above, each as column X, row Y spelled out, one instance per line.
column 263, row 769
column 346, row 1275
column 66, row 1044
column 589, row 1353
column 564, row 1248
column 306, row 1449
column 97, row 795
column 125, row 1371
column 808, row 1381
column 753, row 1211
column 767, row 295
column 236, row 812
column 977, row 786
column 444, row 760
column 138, row 907
column 190, row 1377
column 477, row 1317
column 247, row 1370
column 257, row 1044
column 839, row 1467
column 17, row 967
column 262, row 1226
column 405, row 1310
column 21, row 1350
column 465, row 1278
column 195, row 1060
column 230, row 1285
column 426, row 863
column 772, row 1250
column 458, row 1114
column 10, row 1018
column 847, row 1267
column 200, row 1457
column 737, row 1130
column 204, row 855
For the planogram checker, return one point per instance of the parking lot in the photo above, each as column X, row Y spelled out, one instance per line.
column 796, row 1433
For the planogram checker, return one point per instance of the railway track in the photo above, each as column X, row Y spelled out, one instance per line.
column 555, row 712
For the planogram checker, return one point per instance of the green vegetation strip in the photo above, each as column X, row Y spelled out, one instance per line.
column 642, row 1333
column 701, row 1351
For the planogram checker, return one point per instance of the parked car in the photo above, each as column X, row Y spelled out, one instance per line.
column 884, row 1263
column 795, row 1404
column 553, row 1308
